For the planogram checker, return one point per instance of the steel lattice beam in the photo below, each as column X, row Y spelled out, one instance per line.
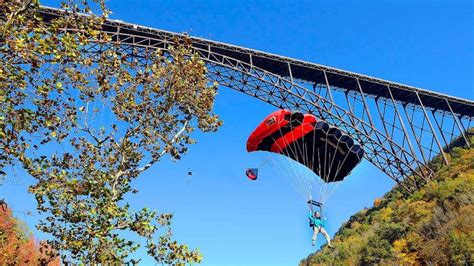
column 400, row 127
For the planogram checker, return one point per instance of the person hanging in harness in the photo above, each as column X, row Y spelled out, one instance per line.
column 318, row 224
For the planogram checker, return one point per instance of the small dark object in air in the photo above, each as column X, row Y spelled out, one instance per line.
column 4, row 205
column 252, row 173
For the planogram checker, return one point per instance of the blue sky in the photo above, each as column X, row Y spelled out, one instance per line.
column 233, row 221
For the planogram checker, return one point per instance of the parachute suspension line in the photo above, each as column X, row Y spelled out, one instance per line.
column 289, row 170
column 311, row 165
column 345, row 158
column 330, row 188
column 293, row 173
column 303, row 174
column 332, row 161
column 305, row 179
column 325, row 175
column 316, row 151
column 303, row 152
column 320, row 180
column 339, row 167
column 264, row 162
column 310, row 158
column 326, row 188
column 333, row 188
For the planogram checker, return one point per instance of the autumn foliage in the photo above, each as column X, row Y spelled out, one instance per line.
column 18, row 246
column 85, row 116
column 432, row 226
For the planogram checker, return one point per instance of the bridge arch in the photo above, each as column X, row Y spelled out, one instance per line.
column 401, row 127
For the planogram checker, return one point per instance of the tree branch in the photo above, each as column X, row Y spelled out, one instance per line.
column 15, row 14
column 165, row 150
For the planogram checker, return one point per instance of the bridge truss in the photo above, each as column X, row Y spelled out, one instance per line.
column 401, row 128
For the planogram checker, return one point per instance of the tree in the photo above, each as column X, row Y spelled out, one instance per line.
column 29, row 49
column 87, row 124
column 17, row 245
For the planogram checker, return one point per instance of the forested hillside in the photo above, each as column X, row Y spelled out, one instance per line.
column 432, row 226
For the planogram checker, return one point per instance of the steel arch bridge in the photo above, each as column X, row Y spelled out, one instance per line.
column 402, row 128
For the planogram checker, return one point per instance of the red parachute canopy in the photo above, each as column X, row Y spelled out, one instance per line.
column 325, row 150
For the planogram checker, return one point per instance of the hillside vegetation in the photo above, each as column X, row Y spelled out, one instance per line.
column 18, row 246
column 435, row 225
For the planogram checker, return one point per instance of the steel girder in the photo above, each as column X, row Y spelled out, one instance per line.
column 401, row 128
